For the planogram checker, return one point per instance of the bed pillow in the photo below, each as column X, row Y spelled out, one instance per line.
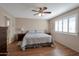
column 39, row 31
column 32, row 31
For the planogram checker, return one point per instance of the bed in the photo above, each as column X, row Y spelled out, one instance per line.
column 36, row 38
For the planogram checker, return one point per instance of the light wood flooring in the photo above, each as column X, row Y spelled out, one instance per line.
column 58, row 50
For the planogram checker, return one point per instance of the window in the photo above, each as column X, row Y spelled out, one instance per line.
column 72, row 25
column 56, row 25
column 66, row 25
column 60, row 25
column 8, row 22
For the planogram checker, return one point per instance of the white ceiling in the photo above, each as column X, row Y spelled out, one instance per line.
column 24, row 10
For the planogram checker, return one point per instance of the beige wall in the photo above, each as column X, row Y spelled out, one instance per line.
column 11, row 28
column 71, row 41
column 31, row 24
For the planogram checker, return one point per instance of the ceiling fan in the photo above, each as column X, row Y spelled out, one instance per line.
column 41, row 11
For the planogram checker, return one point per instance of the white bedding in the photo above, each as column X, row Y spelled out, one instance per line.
column 33, row 38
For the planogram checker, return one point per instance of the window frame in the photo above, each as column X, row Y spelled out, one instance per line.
column 67, row 24
column 62, row 25
column 76, row 19
column 57, row 26
column 75, row 24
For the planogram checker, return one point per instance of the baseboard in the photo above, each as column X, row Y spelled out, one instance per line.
column 66, row 46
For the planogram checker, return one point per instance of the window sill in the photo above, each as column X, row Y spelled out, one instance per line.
column 71, row 34
column 67, row 33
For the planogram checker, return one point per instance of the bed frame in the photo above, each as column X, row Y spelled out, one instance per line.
column 39, row 45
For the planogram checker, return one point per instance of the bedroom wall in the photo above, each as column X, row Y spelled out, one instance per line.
column 31, row 24
column 11, row 28
column 69, row 40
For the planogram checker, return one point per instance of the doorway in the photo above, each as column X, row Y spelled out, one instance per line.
column 7, row 24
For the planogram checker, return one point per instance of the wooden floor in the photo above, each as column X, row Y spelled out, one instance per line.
column 59, row 50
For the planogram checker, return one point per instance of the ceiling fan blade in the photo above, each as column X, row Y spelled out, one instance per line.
column 44, row 8
column 47, row 12
column 35, row 10
column 36, row 14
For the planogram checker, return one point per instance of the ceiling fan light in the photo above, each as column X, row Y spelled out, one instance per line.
column 39, row 14
column 43, row 14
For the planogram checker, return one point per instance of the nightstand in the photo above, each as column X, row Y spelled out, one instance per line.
column 20, row 36
column 48, row 33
